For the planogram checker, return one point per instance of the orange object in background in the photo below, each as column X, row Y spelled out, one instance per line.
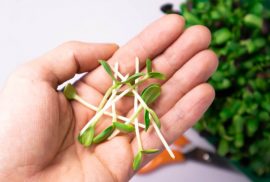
column 164, row 158
column 184, row 150
column 181, row 141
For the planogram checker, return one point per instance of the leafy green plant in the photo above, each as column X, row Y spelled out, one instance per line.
column 239, row 119
column 87, row 136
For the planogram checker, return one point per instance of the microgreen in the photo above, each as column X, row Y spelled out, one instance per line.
column 155, row 117
column 104, row 99
column 151, row 93
column 152, row 74
column 69, row 91
column 146, row 119
column 150, row 151
column 148, row 65
column 103, row 135
column 107, row 68
column 87, row 137
column 137, row 131
column 126, row 128
column 68, row 88
column 137, row 161
column 133, row 77
column 112, row 95
column 157, row 75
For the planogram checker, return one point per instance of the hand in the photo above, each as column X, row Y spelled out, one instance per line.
column 39, row 126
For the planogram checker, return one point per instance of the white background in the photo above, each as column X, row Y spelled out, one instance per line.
column 28, row 28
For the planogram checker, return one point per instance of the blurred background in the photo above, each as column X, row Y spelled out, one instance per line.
column 232, row 140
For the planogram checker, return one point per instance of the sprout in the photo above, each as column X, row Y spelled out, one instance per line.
column 148, row 96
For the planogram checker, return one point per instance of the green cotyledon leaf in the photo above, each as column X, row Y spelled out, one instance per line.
column 151, row 93
column 126, row 128
column 150, row 151
column 148, row 65
column 107, row 68
column 103, row 135
column 157, row 75
column 133, row 77
column 86, row 138
column 146, row 119
column 155, row 118
column 69, row 91
column 137, row 161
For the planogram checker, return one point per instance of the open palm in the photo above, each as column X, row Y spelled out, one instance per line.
column 39, row 126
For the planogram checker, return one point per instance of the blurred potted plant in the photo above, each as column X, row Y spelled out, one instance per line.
column 238, row 122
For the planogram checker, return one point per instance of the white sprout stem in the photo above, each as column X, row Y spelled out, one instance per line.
column 107, row 106
column 116, row 132
column 114, row 92
column 140, row 99
column 86, row 104
column 94, row 108
column 136, row 122
column 135, row 112
column 163, row 141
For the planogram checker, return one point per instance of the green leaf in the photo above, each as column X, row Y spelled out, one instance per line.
column 126, row 128
column 221, row 36
column 155, row 118
column 150, row 151
column 87, row 137
column 257, row 9
column 264, row 116
column 238, row 123
column 107, row 68
column 223, row 147
column 252, row 127
column 191, row 19
column 253, row 20
column 137, row 161
column 239, row 140
column 146, row 119
column 69, row 91
column 103, row 135
column 151, row 93
column 148, row 65
column 133, row 77
column 157, row 75
column 265, row 105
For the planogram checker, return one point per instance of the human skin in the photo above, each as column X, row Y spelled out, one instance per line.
column 39, row 126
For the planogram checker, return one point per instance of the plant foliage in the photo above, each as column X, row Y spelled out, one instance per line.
column 239, row 119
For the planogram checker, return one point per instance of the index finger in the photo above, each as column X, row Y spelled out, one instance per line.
column 148, row 44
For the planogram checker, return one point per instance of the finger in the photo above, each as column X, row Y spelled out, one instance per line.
column 197, row 70
column 192, row 41
column 149, row 43
column 193, row 73
column 182, row 116
column 63, row 62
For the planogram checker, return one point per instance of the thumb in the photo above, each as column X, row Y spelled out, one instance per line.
column 63, row 62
